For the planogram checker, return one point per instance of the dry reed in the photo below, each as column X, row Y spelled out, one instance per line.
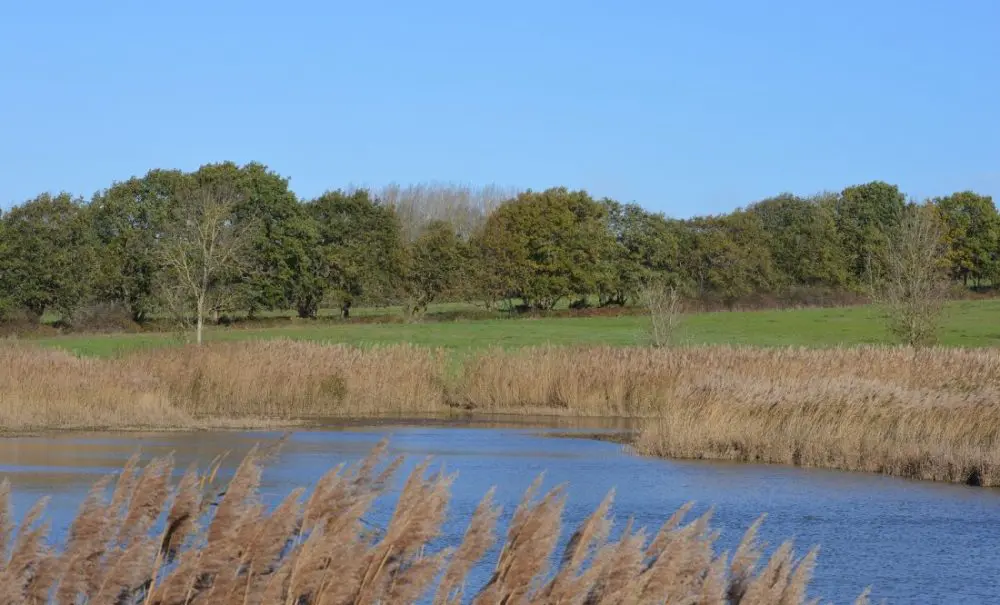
column 920, row 413
column 285, row 379
column 156, row 543
column 54, row 389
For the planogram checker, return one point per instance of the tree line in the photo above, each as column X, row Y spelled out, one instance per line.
column 228, row 238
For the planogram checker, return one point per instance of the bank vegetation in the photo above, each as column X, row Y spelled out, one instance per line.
column 927, row 413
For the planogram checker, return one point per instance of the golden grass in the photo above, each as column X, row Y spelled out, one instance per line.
column 927, row 413
column 154, row 542
column 53, row 389
column 288, row 379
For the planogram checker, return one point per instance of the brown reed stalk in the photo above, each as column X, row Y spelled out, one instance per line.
column 930, row 413
column 241, row 553
column 478, row 538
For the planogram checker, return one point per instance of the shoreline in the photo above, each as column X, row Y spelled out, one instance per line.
column 930, row 414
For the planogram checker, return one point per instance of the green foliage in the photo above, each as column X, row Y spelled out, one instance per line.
column 7, row 285
column 801, row 235
column 360, row 245
column 433, row 264
column 545, row 246
column 283, row 249
column 536, row 250
column 727, row 257
column 972, row 235
column 645, row 250
column 126, row 219
column 865, row 215
column 47, row 254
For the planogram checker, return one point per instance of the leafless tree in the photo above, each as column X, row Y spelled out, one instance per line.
column 665, row 313
column 202, row 250
column 466, row 207
column 915, row 283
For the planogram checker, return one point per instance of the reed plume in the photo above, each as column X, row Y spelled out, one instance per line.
column 159, row 543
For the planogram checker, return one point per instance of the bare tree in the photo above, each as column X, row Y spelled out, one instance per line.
column 202, row 251
column 914, row 286
column 665, row 313
column 465, row 207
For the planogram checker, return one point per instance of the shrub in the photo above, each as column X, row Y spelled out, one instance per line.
column 102, row 318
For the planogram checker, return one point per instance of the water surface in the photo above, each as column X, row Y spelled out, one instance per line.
column 913, row 542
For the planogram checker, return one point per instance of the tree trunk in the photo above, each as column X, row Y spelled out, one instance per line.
column 308, row 308
column 200, row 321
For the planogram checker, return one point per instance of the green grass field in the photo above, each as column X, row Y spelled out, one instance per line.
column 967, row 323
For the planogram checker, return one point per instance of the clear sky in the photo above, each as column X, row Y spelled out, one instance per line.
column 687, row 108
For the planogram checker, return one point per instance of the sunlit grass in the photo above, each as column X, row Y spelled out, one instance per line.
column 966, row 324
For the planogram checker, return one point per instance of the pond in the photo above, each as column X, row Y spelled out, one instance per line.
column 913, row 542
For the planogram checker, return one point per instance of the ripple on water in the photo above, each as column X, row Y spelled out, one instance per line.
column 912, row 541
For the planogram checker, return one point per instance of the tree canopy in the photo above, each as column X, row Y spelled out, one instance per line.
column 545, row 246
column 416, row 245
column 47, row 255
column 360, row 246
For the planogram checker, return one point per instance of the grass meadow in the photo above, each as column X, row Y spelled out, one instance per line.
column 967, row 324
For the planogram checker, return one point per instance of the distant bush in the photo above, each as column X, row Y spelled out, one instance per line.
column 101, row 318
column 15, row 322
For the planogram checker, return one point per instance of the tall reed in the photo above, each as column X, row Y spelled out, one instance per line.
column 289, row 379
column 54, row 389
column 154, row 542
column 921, row 413
column 927, row 414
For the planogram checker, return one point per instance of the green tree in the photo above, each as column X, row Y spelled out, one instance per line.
column 47, row 255
column 866, row 215
column 801, row 235
column 645, row 250
column 361, row 248
column 434, row 264
column 544, row 246
column 971, row 227
column 284, row 245
column 127, row 218
column 7, row 302
column 727, row 256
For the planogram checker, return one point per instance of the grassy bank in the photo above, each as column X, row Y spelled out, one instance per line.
column 928, row 414
column 966, row 323
column 157, row 542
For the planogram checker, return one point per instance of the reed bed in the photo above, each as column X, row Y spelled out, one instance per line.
column 926, row 414
column 54, row 389
column 919, row 413
column 289, row 379
column 141, row 538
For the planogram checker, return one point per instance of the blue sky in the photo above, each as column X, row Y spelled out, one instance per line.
column 687, row 108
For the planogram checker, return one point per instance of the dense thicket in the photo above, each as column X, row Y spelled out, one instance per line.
column 62, row 255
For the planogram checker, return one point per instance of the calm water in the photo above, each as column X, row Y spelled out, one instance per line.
column 913, row 542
